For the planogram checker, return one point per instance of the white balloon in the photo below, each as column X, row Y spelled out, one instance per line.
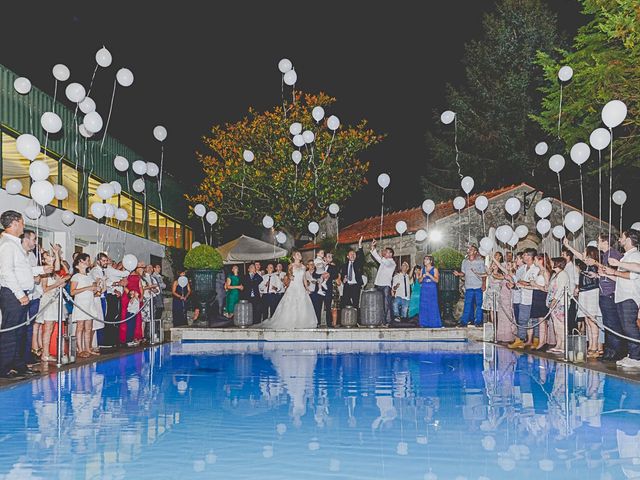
column 384, row 180
column 543, row 226
column 542, row 148
column 61, row 72
column 635, row 226
column 291, row 77
column 543, row 208
column 39, row 170
column 486, row 244
column 512, row 206
column 428, row 206
column 281, row 237
column 109, row 210
column 105, row 191
column 296, row 156
column 565, row 73
column 467, row 184
column 513, row 241
column 28, row 146
column 22, row 85
column 211, row 217
column 421, row 235
column 93, row 122
column 42, row 192
column 558, row 232
column 482, row 203
column 333, row 123
column 160, row 133
column 459, row 203
column 298, row 141
column 33, row 212
column 447, row 117
column 121, row 214
column 195, row 244
column 600, row 138
column 103, row 57
column 313, row 227
column 152, row 169
column 200, row 210
column 68, row 217
column 124, row 77
column 483, row 252
column 556, row 163
column 285, row 65
column 580, row 153
column 248, row 156
column 504, row 233
column 183, row 281
column 334, row 209
column 60, row 192
column 267, row 221
column 87, row 105
column 308, row 136
column 98, row 210
column 614, row 113
column 120, row 163
column 295, row 128
column 129, row 262
column 619, row 197
column 138, row 185
column 317, row 113
column 13, row 186
column 139, row 167
column 84, row 132
column 522, row 231
column 75, row 92
column 401, row 227
column 573, row 221
column 51, row 123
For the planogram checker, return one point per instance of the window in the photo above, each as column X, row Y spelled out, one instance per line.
column 188, row 238
column 153, row 225
column 179, row 239
column 171, row 239
column 138, row 217
column 70, row 179
column 127, row 204
column 115, row 201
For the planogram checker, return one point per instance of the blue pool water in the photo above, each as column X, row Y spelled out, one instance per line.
column 321, row 410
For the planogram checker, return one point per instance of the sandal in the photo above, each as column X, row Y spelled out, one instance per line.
column 46, row 358
column 555, row 351
column 36, row 351
column 94, row 352
column 84, row 354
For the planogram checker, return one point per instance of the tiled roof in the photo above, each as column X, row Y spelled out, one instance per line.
column 415, row 218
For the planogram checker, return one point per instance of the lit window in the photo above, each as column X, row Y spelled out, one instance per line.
column 153, row 225
column 171, row 240
column 70, row 180
column 138, row 227
column 179, row 243
column 126, row 203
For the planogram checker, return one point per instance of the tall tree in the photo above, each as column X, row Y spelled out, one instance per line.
column 330, row 169
column 495, row 133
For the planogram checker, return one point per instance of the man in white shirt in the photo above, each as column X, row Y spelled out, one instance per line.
column 114, row 280
column 525, row 334
column 269, row 288
column 16, row 283
column 627, row 296
column 29, row 242
column 402, row 292
column 473, row 270
column 384, row 277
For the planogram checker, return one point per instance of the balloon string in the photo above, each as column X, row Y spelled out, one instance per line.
column 381, row 215
column 484, row 230
column 621, row 218
column 428, row 235
column 561, row 200
column 560, row 110
column 92, row 78
column 242, row 188
column 55, row 94
column 455, row 141
column 160, row 175
column 468, row 220
column 204, row 230
column 610, row 182
column 337, row 232
column 582, row 200
column 599, row 191
column 459, row 239
column 329, row 149
column 284, row 106
column 113, row 95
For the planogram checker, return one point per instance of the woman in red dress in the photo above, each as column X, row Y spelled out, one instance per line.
column 132, row 291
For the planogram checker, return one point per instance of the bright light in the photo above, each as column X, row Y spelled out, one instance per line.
column 435, row 235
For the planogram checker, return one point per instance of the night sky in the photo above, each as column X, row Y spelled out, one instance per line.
column 202, row 63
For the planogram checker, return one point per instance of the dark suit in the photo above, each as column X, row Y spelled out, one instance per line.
column 351, row 292
column 251, row 292
column 333, row 274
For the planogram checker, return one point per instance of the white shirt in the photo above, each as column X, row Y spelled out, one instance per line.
column 530, row 275
column 570, row 269
column 274, row 283
column 37, row 289
column 97, row 275
column 628, row 288
column 516, row 292
column 16, row 272
column 385, row 270
column 402, row 283
column 112, row 277
column 351, row 265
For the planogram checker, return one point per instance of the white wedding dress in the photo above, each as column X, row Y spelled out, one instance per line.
column 295, row 310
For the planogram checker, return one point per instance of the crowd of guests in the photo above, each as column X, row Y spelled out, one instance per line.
column 100, row 294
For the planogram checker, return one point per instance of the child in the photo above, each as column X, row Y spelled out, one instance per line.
column 320, row 263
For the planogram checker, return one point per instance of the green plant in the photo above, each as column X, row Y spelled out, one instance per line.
column 203, row 257
column 448, row 259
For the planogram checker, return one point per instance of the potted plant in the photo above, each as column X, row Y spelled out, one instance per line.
column 447, row 260
column 203, row 263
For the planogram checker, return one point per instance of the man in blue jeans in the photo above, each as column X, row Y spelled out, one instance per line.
column 473, row 271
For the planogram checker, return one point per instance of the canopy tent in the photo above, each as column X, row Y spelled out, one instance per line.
column 246, row 249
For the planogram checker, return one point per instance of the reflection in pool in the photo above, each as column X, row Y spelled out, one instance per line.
column 322, row 410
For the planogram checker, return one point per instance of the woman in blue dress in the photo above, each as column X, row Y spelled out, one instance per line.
column 429, row 308
column 414, row 302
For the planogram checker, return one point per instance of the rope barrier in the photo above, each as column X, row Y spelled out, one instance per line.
column 544, row 319
column 92, row 317
column 601, row 324
column 30, row 319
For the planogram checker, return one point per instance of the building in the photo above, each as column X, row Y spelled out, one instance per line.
column 448, row 228
column 81, row 165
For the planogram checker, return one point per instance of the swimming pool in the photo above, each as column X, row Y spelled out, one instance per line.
column 412, row 410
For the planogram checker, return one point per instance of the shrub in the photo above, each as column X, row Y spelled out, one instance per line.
column 448, row 259
column 203, row 257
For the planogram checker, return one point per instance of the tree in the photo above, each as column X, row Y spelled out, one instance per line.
column 495, row 134
column 605, row 59
column 330, row 171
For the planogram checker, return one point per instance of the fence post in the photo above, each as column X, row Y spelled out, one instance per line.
column 60, row 316
column 566, row 323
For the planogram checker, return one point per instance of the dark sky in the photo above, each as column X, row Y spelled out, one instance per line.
column 202, row 63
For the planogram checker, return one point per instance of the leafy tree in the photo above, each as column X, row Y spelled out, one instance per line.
column 496, row 136
column 331, row 169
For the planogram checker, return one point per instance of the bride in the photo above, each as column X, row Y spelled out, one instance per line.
column 295, row 310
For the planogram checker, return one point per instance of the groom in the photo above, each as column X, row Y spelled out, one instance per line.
column 351, row 277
